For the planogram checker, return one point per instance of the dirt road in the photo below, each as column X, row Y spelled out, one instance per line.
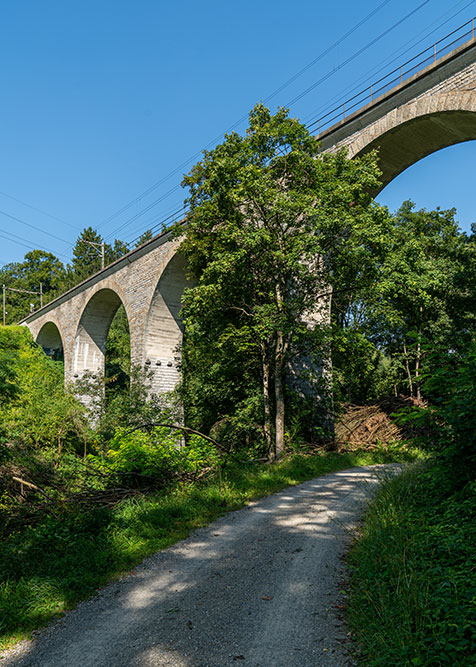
column 257, row 587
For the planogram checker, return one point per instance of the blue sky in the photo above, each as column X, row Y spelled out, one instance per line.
column 103, row 100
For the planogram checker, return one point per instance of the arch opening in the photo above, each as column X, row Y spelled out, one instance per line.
column 92, row 333
column 409, row 142
column 164, row 327
column 49, row 338
column 117, row 361
column 443, row 179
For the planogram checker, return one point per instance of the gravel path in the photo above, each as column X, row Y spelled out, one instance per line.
column 258, row 587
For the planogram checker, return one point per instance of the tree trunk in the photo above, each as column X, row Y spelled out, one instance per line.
column 418, row 360
column 266, row 401
column 279, row 395
column 407, row 366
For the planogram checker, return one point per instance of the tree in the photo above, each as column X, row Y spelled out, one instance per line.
column 36, row 407
column 424, row 289
column 270, row 218
column 143, row 238
column 87, row 257
column 37, row 267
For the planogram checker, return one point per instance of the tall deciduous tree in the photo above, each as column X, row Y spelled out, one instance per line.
column 270, row 219
column 424, row 289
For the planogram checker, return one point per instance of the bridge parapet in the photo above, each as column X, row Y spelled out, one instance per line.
column 431, row 110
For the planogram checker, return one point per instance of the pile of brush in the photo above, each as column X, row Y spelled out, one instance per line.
column 373, row 425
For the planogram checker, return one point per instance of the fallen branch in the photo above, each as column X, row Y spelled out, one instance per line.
column 31, row 486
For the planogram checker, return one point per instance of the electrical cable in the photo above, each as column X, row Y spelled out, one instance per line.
column 355, row 55
column 157, row 184
column 395, row 56
column 325, row 52
column 162, row 224
column 12, row 217
column 143, row 211
column 325, row 77
column 39, row 210
column 22, row 241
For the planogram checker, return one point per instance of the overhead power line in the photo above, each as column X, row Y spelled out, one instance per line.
column 355, row 55
column 387, row 62
column 25, row 242
column 39, row 210
column 287, row 83
column 28, row 224
column 324, row 53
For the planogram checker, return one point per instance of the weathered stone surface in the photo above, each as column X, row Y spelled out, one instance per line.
column 431, row 110
column 149, row 282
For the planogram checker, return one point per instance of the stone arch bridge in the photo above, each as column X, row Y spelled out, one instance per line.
column 433, row 109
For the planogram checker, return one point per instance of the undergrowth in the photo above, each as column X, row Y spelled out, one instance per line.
column 52, row 565
column 413, row 583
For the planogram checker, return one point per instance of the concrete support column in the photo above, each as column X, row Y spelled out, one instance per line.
column 163, row 328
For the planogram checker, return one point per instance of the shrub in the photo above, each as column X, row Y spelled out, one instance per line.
column 155, row 458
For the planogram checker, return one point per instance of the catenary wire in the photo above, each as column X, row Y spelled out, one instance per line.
column 28, row 224
column 326, row 51
column 23, row 241
column 397, row 55
column 371, row 43
column 355, row 55
column 39, row 210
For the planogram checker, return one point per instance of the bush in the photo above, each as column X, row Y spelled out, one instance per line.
column 36, row 408
column 156, row 457
column 413, row 585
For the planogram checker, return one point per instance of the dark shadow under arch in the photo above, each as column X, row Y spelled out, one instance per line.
column 49, row 338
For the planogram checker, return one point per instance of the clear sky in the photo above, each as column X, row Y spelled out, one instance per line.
column 103, row 99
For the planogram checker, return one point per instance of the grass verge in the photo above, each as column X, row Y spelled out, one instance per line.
column 48, row 568
column 413, row 584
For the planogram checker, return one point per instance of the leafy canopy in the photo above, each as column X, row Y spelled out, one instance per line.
column 271, row 220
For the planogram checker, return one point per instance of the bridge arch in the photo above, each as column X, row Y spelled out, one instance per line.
column 163, row 326
column 92, row 330
column 409, row 133
column 51, row 340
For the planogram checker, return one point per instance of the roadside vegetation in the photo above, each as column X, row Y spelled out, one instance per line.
column 322, row 332
column 413, row 584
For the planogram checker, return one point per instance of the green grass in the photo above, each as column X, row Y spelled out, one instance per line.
column 50, row 567
column 413, row 583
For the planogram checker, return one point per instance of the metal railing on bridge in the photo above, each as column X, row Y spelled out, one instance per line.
column 397, row 76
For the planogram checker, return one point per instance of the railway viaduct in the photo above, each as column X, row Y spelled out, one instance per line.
column 426, row 106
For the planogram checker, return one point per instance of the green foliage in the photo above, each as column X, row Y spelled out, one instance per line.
column 414, row 571
column 271, row 222
column 36, row 407
column 154, row 457
column 451, row 390
column 38, row 267
column 360, row 368
column 143, row 238
column 52, row 565
column 118, row 355
column 419, row 285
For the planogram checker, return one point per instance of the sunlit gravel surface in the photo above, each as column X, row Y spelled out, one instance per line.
column 260, row 586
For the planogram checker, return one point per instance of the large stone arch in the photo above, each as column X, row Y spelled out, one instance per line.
column 92, row 329
column 409, row 133
column 51, row 339
column 163, row 326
